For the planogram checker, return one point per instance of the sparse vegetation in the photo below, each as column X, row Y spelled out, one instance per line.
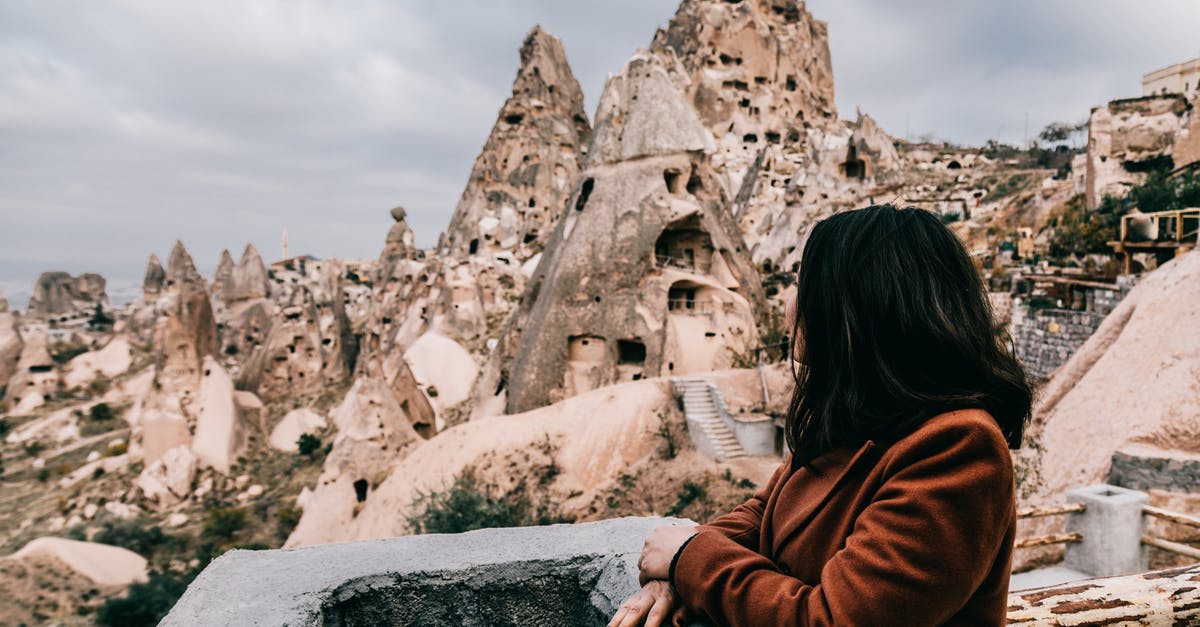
column 224, row 523
column 63, row 352
column 145, row 603
column 33, row 448
column 691, row 492
column 308, row 444
column 667, row 432
column 473, row 503
column 287, row 516
column 134, row 534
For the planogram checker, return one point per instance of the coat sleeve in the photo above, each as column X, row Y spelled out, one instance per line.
column 744, row 522
column 915, row 556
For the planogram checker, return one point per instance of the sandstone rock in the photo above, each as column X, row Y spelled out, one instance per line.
column 168, row 479
column 597, row 436
column 101, row 563
column 529, row 164
column 57, row 293
column 1132, row 383
column 223, row 274
column 36, row 378
column 646, row 274
column 220, row 432
column 294, row 424
column 443, row 364
column 248, row 280
column 400, row 243
column 180, row 268
column 309, row 343
column 250, row 407
column 1127, row 137
column 115, row 358
column 161, row 424
column 372, row 433
column 10, row 342
column 186, row 329
column 760, row 73
column 154, row 279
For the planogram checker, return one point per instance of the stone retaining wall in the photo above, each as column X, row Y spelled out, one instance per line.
column 1046, row 338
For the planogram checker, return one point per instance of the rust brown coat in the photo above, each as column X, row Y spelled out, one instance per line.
column 916, row 532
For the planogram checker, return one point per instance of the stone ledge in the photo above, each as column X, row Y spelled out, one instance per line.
column 511, row 576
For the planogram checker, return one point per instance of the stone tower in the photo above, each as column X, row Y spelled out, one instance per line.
column 530, row 162
column 646, row 274
column 760, row 73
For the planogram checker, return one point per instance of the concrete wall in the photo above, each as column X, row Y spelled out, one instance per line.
column 555, row 575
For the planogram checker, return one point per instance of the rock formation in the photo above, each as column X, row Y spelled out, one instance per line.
column 1129, row 138
column 528, row 166
column 10, row 341
column 113, row 359
column 223, row 274
column 220, row 431
column 595, row 437
column 1131, row 386
column 760, row 74
column 248, row 279
column 443, row 367
column 294, row 424
column 646, row 274
column 58, row 293
column 372, row 431
column 168, row 479
column 186, row 329
column 36, row 379
column 309, row 343
column 155, row 277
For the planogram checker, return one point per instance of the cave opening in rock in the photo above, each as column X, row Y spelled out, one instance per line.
column 585, row 191
column 674, row 181
column 360, row 490
column 854, row 168
column 631, row 352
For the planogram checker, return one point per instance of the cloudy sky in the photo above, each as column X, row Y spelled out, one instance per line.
column 126, row 124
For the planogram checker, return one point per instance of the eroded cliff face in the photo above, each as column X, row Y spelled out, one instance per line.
column 760, row 74
column 530, row 162
column 1128, row 139
column 57, row 293
column 646, row 274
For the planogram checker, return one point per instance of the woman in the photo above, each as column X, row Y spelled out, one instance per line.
column 897, row 504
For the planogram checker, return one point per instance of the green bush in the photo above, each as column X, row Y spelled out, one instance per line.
column 224, row 523
column 63, row 352
column 101, row 412
column 145, row 603
column 472, row 503
column 133, row 534
column 688, row 494
column 308, row 444
column 286, row 519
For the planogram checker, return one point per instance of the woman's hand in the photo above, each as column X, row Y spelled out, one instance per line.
column 656, row 603
column 660, row 548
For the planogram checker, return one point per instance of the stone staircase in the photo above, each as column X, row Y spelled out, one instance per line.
column 705, row 410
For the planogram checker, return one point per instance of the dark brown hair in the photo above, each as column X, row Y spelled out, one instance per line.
column 896, row 328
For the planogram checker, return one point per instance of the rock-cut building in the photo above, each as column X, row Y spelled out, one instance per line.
column 646, row 274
